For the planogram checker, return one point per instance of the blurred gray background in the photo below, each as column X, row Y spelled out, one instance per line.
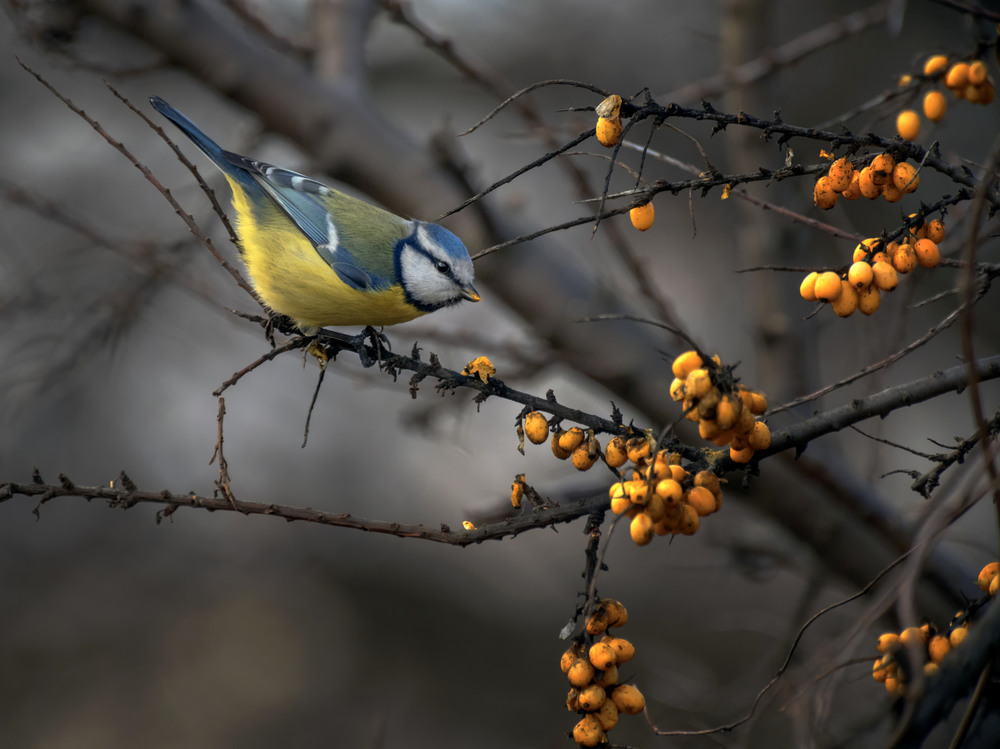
column 218, row 630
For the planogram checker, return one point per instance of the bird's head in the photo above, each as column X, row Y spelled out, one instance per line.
column 434, row 268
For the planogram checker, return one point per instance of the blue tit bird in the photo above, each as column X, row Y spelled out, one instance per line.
column 324, row 258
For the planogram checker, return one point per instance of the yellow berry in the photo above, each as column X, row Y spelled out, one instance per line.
column 935, row 64
column 824, row 196
column 617, row 613
column 866, row 183
column 701, row 500
column 585, row 455
column 741, row 456
column 637, row 449
column 699, row 382
column 557, row 449
column 958, row 634
column 860, row 274
column 624, row 650
column 904, row 259
column 927, row 252
column 602, row 656
column 616, row 453
column 628, row 699
column 571, row 438
column 606, row 678
column 608, row 131
column 957, row 76
column 760, row 437
column 905, row 177
column 607, row 716
column 908, row 124
column 935, row 106
column 869, row 300
column 580, row 673
column 840, row 174
column 866, row 248
column 845, row 304
column 588, row 732
column 641, row 529
column 642, row 216
column 669, row 491
column 686, row 363
column 536, row 427
column 887, row 642
column 807, row 289
column 885, row 276
column 827, row 286
column 568, row 658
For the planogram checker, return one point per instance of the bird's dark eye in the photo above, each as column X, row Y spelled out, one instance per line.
column 442, row 266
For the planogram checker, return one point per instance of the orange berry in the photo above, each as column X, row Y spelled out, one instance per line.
column 865, row 248
column 592, row 697
column 958, row 634
column 702, row 500
column 628, row 699
column 642, row 216
column 938, row 648
column 689, row 520
column 536, row 427
column 741, row 456
column 886, row 278
column 699, row 382
column 891, row 193
column 624, row 650
column 580, row 673
column 557, row 449
column 641, row 529
column 616, row 453
column 571, row 439
column 686, row 363
column 607, row 716
column 881, row 167
column 853, row 191
column 869, row 300
column 977, row 72
column 824, row 196
column 904, row 259
column 760, row 437
column 867, row 185
column 934, row 230
column 585, row 455
column 927, row 252
column 840, row 174
column 935, row 64
column 608, row 131
column 860, row 274
column 935, row 106
column 827, row 286
column 957, row 76
column 887, row 641
column 588, row 732
column 807, row 289
column 911, row 636
column 986, row 575
column 602, row 656
column 845, row 304
column 908, row 124
column 905, row 177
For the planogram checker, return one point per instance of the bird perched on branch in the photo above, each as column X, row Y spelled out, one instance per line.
column 324, row 258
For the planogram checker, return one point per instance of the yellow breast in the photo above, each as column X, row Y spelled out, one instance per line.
column 292, row 278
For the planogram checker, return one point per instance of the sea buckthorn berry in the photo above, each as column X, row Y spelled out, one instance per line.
column 879, row 670
column 935, row 64
column 656, row 508
column 571, row 438
column 620, row 503
column 616, row 453
column 588, row 731
column 860, row 274
column 568, row 658
column 958, row 634
column 927, row 252
column 935, row 106
column 741, row 456
column 607, row 715
column 573, row 700
column 557, row 449
column 824, row 196
column 994, row 586
column 881, row 168
column 866, row 183
column 977, row 72
column 760, row 437
column 728, row 410
column 637, row 449
column 908, row 124
column 827, row 286
column 686, row 363
column 669, row 491
column 585, row 455
column 678, row 389
column 807, row 289
column 869, row 300
column 710, row 481
column 642, row 216
column 887, row 642
column 911, row 636
column 699, row 382
column 853, row 191
column 641, row 529
column 608, row 131
column 628, row 699
column 602, row 656
column 624, row 650
column 580, row 673
column 904, row 259
column 905, row 177
column 957, row 76
column 689, row 522
column 885, row 276
column 935, row 230
column 840, row 174
column 607, row 677
column 617, row 613
column 758, row 403
column 891, row 193
column 701, row 500
column 847, row 302
column 938, row 648
column 536, row 427
column 986, row 575
column 866, row 248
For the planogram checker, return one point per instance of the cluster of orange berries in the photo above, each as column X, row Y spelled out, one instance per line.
column 583, row 447
column 875, row 268
column 934, row 645
column 883, row 176
column 966, row 80
column 593, row 676
column 662, row 498
column 725, row 415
